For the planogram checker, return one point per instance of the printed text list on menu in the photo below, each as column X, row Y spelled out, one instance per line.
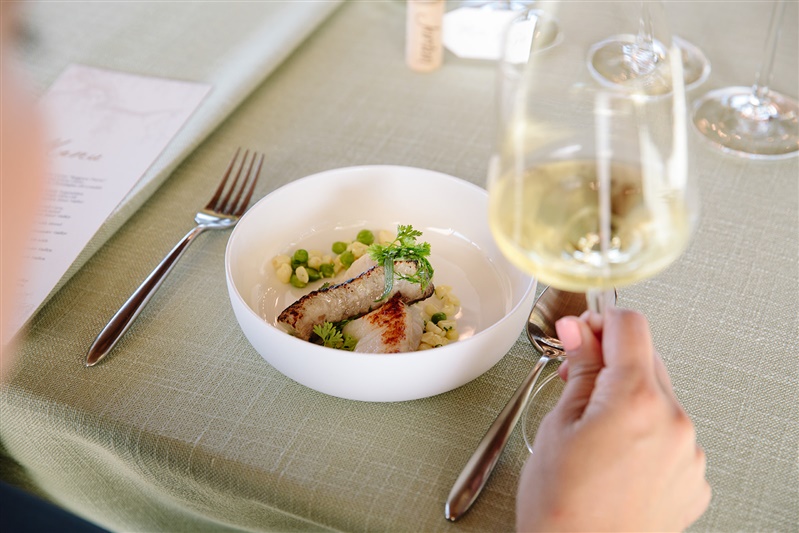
column 106, row 129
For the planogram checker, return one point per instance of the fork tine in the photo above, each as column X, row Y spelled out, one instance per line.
column 253, row 176
column 232, row 209
column 225, row 206
column 219, row 190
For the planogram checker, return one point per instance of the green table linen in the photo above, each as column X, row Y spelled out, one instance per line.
column 184, row 427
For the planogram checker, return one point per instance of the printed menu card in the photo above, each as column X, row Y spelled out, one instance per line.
column 106, row 129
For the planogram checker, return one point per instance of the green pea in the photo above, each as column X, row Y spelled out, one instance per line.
column 327, row 270
column 339, row 247
column 296, row 281
column 301, row 256
column 347, row 259
column 313, row 274
column 295, row 264
column 366, row 237
column 438, row 317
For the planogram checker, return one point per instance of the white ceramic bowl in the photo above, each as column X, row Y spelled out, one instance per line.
column 315, row 211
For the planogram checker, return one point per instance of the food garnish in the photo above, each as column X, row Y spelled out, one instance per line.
column 403, row 248
column 332, row 337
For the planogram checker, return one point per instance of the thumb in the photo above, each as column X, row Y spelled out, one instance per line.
column 585, row 361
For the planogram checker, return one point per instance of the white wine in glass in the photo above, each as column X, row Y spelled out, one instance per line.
column 590, row 186
column 549, row 221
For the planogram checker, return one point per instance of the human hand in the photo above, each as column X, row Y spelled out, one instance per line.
column 618, row 452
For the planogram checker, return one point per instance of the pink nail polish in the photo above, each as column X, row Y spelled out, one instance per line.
column 569, row 333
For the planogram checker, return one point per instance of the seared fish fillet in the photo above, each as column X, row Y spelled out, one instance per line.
column 350, row 299
column 394, row 327
column 361, row 265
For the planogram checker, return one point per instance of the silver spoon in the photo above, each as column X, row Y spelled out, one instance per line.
column 551, row 305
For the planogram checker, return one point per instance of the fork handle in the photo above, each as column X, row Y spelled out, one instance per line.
column 124, row 318
column 482, row 462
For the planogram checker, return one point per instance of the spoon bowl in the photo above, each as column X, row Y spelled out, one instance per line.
column 551, row 306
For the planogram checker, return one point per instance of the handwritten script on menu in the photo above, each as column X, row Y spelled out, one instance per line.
column 106, row 129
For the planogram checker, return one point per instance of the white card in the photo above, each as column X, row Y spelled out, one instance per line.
column 476, row 33
column 106, row 129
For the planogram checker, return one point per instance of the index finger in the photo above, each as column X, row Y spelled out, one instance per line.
column 627, row 343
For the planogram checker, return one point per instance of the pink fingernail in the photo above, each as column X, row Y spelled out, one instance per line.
column 568, row 329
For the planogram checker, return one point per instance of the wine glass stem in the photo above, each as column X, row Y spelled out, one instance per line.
column 763, row 79
column 600, row 300
column 640, row 55
column 645, row 38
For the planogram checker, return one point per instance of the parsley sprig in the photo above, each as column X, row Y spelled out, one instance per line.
column 332, row 337
column 403, row 248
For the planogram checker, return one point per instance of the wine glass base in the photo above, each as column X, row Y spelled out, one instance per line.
column 735, row 122
column 540, row 404
column 613, row 61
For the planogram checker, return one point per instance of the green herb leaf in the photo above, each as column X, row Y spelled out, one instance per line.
column 404, row 248
column 388, row 268
column 332, row 337
column 349, row 343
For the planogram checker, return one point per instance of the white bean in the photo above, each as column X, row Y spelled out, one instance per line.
column 284, row 273
column 302, row 274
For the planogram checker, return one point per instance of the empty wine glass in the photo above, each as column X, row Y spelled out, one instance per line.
column 589, row 187
column 619, row 57
column 754, row 122
column 510, row 5
column 528, row 19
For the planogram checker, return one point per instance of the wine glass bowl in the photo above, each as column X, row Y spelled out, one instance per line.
column 589, row 187
column 532, row 27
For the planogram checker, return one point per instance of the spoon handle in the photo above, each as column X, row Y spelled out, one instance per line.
column 479, row 467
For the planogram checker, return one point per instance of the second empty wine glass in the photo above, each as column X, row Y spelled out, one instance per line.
column 754, row 122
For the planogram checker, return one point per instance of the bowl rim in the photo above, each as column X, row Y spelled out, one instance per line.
column 531, row 283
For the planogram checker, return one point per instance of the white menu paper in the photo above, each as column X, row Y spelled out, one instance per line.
column 106, row 129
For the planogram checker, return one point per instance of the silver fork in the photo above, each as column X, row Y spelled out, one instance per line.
column 222, row 212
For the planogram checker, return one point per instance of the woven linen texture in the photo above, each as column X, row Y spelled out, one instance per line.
column 185, row 427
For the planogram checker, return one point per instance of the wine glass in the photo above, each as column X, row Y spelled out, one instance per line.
column 754, row 122
column 619, row 57
column 499, row 5
column 520, row 19
column 589, row 187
